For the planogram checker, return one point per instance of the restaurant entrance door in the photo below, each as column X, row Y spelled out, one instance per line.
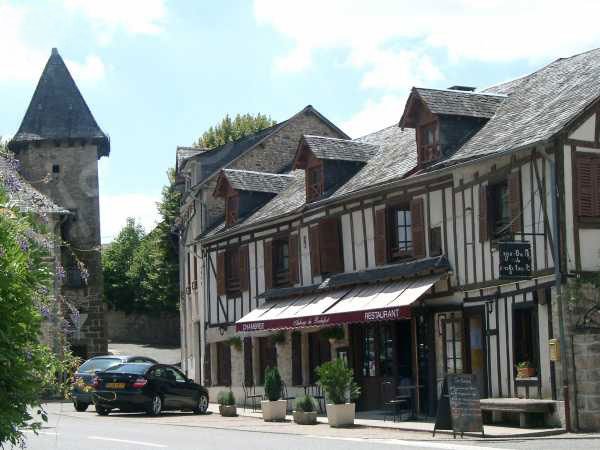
column 381, row 360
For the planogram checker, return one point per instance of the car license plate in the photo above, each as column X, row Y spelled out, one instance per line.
column 115, row 385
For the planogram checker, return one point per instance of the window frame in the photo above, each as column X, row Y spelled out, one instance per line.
column 315, row 190
column 498, row 230
column 529, row 307
column 281, row 278
column 394, row 251
column 232, row 271
column 232, row 208
column 428, row 152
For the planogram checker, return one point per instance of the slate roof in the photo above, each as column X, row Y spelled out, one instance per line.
column 339, row 149
column 183, row 154
column 21, row 194
column 58, row 111
column 540, row 105
column 249, row 180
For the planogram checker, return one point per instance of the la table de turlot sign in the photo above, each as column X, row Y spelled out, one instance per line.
column 515, row 260
column 459, row 408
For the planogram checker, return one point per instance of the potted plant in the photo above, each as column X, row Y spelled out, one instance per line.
column 226, row 401
column 304, row 413
column 334, row 334
column 525, row 370
column 273, row 409
column 337, row 380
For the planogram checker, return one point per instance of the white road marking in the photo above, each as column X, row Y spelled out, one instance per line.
column 420, row 444
column 125, row 441
column 49, row 433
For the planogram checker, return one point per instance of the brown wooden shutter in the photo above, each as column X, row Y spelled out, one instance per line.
column 484, row 229
column 221, row 283
column 418, row 228
column 268, row 254
column 514, row 201
column 586, row 189
column 381, row 246
column 207, row 369
column 294, row 252
column 315, row 254
column 244, row 268
column 224, row 363
column 248, row 368
column 296, row 359
column 329, row 245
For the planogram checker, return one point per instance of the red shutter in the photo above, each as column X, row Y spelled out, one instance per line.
column 418, row 228
column 514, row 201
column 268, row 254
column 244, row 268
column 483, row 214
column 381, row 248
column 329, row 244
column 221, row 285
column 586, row 189
column 294, row 259
column 315, row 254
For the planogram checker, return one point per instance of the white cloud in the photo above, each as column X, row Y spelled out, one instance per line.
column 93, row 69
column 115, row 209
column 375, row 115
column 132, row 16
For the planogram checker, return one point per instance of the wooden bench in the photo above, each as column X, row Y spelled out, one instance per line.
column 525, row 408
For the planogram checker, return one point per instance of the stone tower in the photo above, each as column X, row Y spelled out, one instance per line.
column 59, row 144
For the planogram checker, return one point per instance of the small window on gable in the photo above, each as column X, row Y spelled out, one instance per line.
column 232, row 270
column 232, row 209
column 314, row 182
column 428, row 143
column 401, row 225
column 55, row 168
column 281, row 261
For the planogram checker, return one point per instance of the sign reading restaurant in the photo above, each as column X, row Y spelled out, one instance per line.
column 396, row 313
column 515, row 259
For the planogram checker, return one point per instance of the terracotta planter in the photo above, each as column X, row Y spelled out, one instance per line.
column 228, row 410
column 526, row 372
column 273, row 411
column 305, row 418
column 341, row 415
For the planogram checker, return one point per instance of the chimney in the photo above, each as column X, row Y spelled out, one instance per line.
column 462, row 88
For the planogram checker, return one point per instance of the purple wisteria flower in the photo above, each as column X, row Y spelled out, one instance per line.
column 45, row 311
column 43, row 290
column 23, row 245
column 60, row 272
column 12, row 183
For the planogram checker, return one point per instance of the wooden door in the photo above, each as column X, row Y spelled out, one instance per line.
column 475, row 347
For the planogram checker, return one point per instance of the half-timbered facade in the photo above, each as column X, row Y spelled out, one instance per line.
column 399, row 237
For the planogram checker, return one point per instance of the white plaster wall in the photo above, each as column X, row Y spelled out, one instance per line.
column 569, row 212
column 359, row 240
column 590, row 249
column 347, row 243
column 586, row 131
column 370, row 232
column 305, row 256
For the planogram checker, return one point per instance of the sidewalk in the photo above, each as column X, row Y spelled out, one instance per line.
column 425, row 429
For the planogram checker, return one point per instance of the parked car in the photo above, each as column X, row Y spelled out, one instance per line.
column 82, row 380
column 151, row 388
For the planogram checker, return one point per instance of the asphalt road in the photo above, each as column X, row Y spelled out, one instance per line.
column 68, row 431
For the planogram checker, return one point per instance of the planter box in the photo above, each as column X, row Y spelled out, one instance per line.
column 526, row 372
column 228, row 410
column 341, row 415
column 305, row 418
column 273, row 411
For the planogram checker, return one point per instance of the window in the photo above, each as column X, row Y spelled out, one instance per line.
column 314, row 182
column 369, row 355
column 453, row 341
column 319, row 351
column 524, row 335
column 232, row 270
column 223, row 364
column 281, row 263
column 588, row 186
column 55, row 168
column 428, row 143
column 267, row 356
column 499, row 210
column 401, row 233
column 435, row 241
column 231, row 209
column 386, row 350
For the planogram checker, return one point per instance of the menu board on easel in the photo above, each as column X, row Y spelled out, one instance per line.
column 459, row 408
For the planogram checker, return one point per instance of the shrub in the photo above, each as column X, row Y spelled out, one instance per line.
column 272, row 384
column 334, row 333
column 337, row 380
column 305, row 404
column 226, row 398
column 278, row 338
column 235, row 342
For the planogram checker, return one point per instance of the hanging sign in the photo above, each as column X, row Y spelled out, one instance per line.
column 515, row 259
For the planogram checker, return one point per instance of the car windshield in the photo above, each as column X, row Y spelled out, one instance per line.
column 95, row 364
column 135, row 368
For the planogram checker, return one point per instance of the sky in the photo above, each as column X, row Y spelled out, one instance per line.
column 157, row 73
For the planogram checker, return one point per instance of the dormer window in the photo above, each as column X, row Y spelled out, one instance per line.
column 428, row 143
column 232, row 209
column 314, row 182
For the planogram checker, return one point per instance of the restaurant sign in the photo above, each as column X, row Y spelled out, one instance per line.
column 515, row 259
column 396, row 313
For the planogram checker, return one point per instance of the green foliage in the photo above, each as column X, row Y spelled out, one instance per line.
column 231, row 130
column 235, row 342
column 28, row 369
column 335, row 333
column 272, row 384
column 524, row 365
column 305, row 403
column 337, row 380
column 278, row 337
column 226, row 398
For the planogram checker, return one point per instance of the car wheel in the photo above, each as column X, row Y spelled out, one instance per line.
column 80, row 406
column 155, row 406
column 202, row 404
column 102, row 411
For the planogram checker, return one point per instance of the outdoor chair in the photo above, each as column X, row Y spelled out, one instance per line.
column 250, row 395
column 314, row 390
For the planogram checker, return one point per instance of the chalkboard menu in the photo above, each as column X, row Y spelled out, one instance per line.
column 515, row 259
column 459, row 408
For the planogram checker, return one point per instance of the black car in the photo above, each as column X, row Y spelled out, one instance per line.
column 152, row 388
column 82, row 380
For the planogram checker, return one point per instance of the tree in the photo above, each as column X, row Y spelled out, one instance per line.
column 116, row 262
column 231, row 130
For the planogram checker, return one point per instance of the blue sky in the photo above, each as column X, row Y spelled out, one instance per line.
column 157, row 73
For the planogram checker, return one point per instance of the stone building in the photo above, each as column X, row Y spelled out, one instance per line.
column 58, row 145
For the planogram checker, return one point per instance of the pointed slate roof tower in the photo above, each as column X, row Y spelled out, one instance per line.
column 57, row 111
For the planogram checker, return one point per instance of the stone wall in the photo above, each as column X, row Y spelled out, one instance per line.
column 587, row 372
column 144, row 329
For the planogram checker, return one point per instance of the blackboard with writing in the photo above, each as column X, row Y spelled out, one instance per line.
column 459, row 408
column 515, row 259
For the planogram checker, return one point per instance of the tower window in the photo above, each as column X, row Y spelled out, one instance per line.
column 55, row 168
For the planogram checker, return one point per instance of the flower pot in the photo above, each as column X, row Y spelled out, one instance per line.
column 305, row 418
column 273, row 411
column 341, row 415
column 228, row 410
column 526, row 372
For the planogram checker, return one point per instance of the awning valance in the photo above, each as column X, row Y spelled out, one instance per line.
column 384, row 301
